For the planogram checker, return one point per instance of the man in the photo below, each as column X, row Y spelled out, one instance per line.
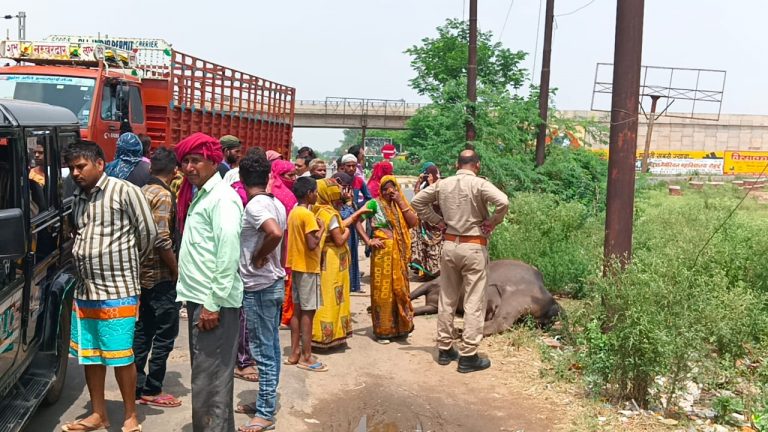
column 463, row 200
column 360, row 194
column 114, row 232
column 232, row 149
column 302, row 166
column 263, row 274
column 158, row 323
column 208, row 280
column 306, row 152
column 317, row 169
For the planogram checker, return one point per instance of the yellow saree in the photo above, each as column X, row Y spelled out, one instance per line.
column 332, row 324
column 391, row 308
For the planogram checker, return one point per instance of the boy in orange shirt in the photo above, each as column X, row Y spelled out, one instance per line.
column 304, row 234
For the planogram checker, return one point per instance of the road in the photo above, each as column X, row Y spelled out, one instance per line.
column 384, row 387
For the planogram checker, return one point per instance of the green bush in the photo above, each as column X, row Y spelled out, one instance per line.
column 665, row 317
column 561, row 239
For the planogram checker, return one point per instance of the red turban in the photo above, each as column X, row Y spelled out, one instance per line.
column 197, row 143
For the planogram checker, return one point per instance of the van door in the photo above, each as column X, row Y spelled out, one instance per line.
column 11, row 271
column 43, row 178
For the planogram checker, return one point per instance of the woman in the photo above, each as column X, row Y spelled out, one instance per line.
column 380, row 169
column 280, row 184
column 333, row 320
column 392, row 219
column 427, row 243
column 347, row 209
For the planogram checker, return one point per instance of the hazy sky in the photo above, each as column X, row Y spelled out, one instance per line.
column 355, row 48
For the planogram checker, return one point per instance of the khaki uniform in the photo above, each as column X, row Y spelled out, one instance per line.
column 463, row 201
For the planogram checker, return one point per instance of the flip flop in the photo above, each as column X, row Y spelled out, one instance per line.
column 290, row 363
column 315, row 367
column 258, row 427
column 133, row 429
column 164, row 400
column 84, row 426
column 247, row 376
column 245, row 409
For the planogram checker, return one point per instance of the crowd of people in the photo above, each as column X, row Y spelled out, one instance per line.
column 250, row 243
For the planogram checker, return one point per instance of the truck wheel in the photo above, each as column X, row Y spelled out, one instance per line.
column 62, row 352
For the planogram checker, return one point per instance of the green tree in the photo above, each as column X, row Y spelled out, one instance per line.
column 506, row 122
column 442, row 60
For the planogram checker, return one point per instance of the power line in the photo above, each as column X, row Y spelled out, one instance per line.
column 511, row 3
column 575, row 10
column 536, row 47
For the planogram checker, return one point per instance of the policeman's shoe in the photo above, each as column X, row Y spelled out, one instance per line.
column 473, row 363
column 445, row 357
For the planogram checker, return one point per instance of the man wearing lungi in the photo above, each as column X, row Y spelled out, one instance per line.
column 114, row 231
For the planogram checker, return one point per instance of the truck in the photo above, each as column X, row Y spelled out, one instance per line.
column 37, row 272
column 146, row 86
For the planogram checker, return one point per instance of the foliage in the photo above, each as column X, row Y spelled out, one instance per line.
column 559, row 238
column 665, row 317
column 442, row 60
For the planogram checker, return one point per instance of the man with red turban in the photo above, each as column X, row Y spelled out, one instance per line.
column 208, row 279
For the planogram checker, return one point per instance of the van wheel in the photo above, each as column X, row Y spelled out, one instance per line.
column 62, row 352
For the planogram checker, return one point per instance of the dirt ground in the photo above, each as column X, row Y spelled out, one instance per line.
column 373, row 387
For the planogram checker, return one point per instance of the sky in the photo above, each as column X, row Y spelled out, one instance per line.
column 354, row 48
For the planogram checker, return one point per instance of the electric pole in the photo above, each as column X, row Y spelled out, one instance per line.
column 623, row 137
column 541, row 138
column 472, row 71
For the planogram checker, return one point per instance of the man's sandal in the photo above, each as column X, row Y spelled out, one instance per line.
column 81, row 425
column 247, row 376
column 256, row 427
column 161, row 400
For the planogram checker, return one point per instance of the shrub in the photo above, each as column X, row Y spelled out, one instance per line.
column 665, row 317
column 561, row 239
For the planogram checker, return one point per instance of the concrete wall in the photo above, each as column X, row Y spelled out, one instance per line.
column 731, row 132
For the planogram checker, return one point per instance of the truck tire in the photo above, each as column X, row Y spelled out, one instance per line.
column 62, row 352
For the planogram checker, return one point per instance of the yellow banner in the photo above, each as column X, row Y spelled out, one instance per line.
column 673, row 154
column 745, row 162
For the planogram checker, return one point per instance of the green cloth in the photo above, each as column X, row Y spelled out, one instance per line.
column 210, row 248
column 229, row 141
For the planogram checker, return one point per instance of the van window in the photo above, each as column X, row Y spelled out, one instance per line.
column 43, row 178
column 137, row 106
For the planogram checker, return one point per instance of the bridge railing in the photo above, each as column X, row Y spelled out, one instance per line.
column 363, row 107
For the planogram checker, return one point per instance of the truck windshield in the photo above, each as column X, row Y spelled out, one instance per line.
column 72, row 93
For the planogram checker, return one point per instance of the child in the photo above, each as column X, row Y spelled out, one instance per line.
column 304, row 234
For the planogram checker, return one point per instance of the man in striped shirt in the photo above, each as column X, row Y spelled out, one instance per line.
column 114, row 231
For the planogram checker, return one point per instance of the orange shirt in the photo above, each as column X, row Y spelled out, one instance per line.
column 302, row 221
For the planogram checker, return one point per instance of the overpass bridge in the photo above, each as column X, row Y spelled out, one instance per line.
column 353, row 113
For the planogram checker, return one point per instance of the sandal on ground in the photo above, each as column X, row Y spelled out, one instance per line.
column 161, row 400
column 287, row 362
column 133, row 429
column 245, row 409
column 247, row 376
column 315, row 367
column 384, row 341
column 256, row 427
column 82, row 425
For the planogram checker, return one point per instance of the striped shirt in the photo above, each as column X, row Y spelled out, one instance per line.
column 114, row 231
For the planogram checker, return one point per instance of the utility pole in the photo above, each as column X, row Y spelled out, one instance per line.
column 472, row 71
column 649, row 133
column 623, row 137
column 541, row 138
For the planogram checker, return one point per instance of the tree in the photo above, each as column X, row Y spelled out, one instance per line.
column 442, row 60
column 506, row 122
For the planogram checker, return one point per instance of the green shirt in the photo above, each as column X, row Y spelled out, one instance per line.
column 210, row 248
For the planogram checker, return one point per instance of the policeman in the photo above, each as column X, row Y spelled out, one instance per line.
column 463, row 200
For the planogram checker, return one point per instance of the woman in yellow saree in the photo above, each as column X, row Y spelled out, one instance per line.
column 333, row 322
column 393, row 217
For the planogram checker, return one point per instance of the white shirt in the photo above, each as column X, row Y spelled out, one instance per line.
column 259, row 210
